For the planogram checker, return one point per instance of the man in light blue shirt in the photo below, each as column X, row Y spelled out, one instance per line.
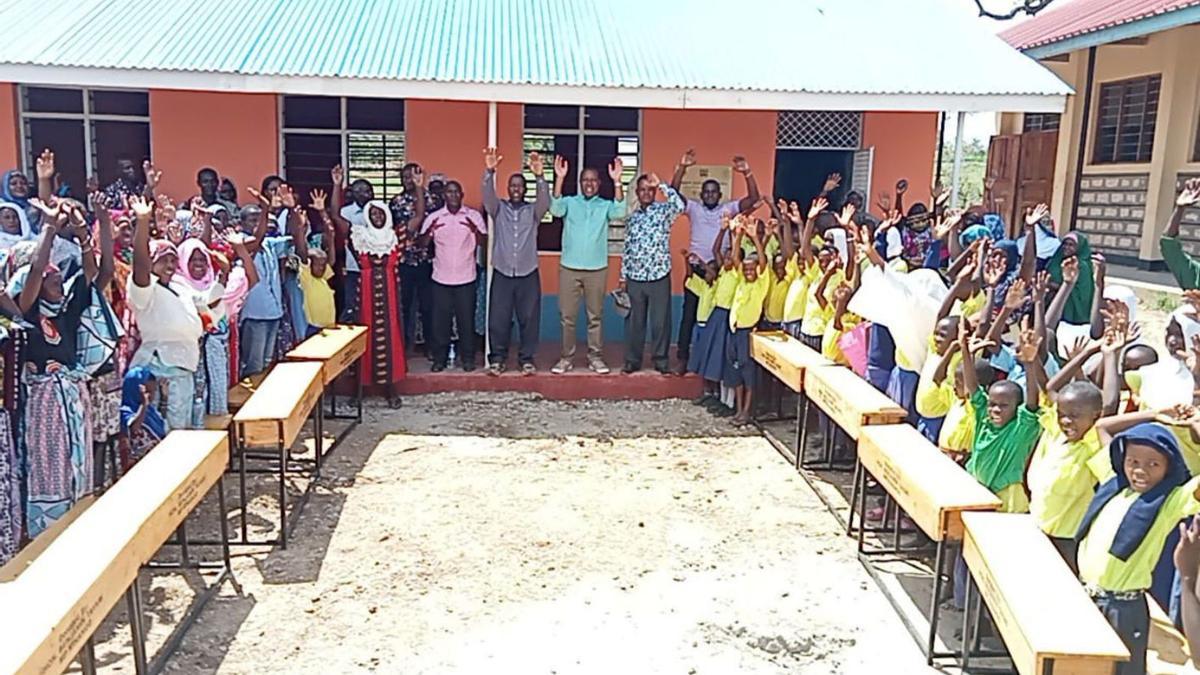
column 584, row 263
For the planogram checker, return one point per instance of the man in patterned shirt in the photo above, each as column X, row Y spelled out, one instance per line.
column 646, row 273
column 416, row 263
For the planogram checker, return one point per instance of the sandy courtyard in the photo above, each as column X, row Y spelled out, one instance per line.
column 506, row 534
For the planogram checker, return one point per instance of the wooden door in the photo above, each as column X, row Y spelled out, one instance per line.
column 1035, row 174
column 1004, row 156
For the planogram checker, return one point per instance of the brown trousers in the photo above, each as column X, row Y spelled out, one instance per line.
column 590, row 285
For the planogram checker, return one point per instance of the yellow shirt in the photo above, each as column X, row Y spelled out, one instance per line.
column 970, row 306
column 1063, row 475
column 747, row 307
column 1100, row 568
column 706, row 294
column 830, row 348
column 1013, row 499
column 933, row 399
column 777, row 296
column 1188, row 447
column 958, row 429
column 724, row 287
column 817, row 318
column 797, row 294
column 318, row 297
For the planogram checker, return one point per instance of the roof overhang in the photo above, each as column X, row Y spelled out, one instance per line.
column 642, row 97
column 1142, row 27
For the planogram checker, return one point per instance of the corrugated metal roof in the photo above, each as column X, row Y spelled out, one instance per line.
column 854, row 46
column 1082, row 17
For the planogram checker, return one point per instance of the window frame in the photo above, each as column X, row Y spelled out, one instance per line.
column 86, row 116
column 1124, row 84
column 343, row 131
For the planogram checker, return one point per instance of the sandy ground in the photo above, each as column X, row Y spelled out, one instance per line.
column 483, row 533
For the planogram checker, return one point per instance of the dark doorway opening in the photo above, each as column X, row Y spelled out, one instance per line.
column 799, row 174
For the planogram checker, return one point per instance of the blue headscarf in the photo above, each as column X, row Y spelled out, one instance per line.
column 1141, row 515
column 973, row 233
column 32, row 214
column 1012, row 261
column 131, row 402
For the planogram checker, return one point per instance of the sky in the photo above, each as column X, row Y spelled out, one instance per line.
column 983, row 125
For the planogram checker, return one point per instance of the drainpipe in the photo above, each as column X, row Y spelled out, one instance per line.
column 491, row 243
column 941, row 142
column 1083, row 131
column 958, row 150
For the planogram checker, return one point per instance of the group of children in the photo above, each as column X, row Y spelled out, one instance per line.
column 1008, row 352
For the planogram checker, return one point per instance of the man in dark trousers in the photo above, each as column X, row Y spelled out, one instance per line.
column 516, row 287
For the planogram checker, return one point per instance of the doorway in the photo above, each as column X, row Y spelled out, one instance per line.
column 799, row 174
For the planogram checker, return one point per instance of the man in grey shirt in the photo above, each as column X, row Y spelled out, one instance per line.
column 516, row 286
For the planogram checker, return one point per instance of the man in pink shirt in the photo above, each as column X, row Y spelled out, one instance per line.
column 455, row 231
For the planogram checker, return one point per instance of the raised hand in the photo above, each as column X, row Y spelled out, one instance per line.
column 45, row 164
column 1188, row 196
column 901, row 187
column 653, row 181
column 317, row 198
column 615, row 168
column 940, row 194
column 338, row 175
column 993, row 270
column 536, row 166
column 1028, row 342
column 1016, row 294
column 491, row 158
column 841, row 294
column 98, row 202
column 740, row 165
column 141, row 207
column 418, row 176
column 1041, row 285
column 53, row 211
column 287, row 196
column 832, row 181
column 152, row 173
column 1078, row 347
column 1070, row 270
column 560, row 166
column 1115, row 313
column 689, row 158
column 1036, row 214
column 847, row 215
column 1098, row 267
column 819, row 204
column 967, row 272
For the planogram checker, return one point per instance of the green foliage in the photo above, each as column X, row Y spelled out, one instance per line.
column 970, row 180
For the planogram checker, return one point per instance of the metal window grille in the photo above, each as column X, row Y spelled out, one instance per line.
column 307, row 154
column 1042, row 121
column 1126, row 119
column 819, row 130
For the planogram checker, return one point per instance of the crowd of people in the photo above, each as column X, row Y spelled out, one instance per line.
column 1002, row 340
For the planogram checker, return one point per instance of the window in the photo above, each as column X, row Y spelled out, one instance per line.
column 589, row 137
column 365, row 135
column 88, row 129
column 1042, row 121
column 1125, row 120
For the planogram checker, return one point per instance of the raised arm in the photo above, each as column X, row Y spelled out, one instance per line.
column 1115, row 340
column 758, row 247
column 33, row 282
column 685, row 162
column 943, row 366
column 1029, row 345
column 1029, row 254
column 970, row 380
column 718, row 249
column 1098, row 274
column 901, row 188
column 1187, row 562
column 962, row 283
column 819, row 204
column 104, row 231
column 77, row 222
column 297, row 221
column 560, row 175
column 1072, row 368
column 615, row 168
column 1188, row 196
column 45, row 175
column 491, row 160
column 788, row 242
column 735, row 250
column 1184, row 267
column 541, row 199
column 832, row 181
column 750, row 201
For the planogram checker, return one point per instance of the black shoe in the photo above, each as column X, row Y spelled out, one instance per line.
column 468, row 366
column 437, row 367
column 629, row 368
column 723, row 411
column 663, row 369
column 703, row 400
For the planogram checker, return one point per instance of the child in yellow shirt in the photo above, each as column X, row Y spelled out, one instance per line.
column 744, row 314
column 705, row 289
column 708, row 351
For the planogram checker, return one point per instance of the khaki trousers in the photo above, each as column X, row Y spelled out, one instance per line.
column 590, row 285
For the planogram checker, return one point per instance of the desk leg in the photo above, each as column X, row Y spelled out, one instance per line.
column 359, row 387
column 939, row 566
column 224, row 516
column 895, row 524
column 87, row 657
column 801, row 431
column 133, row 603
column 283, row 460
column 240, row 446
column 966, row 627
column 862, row 507
column 318, row 436
column 185, row 556
column 858, row 471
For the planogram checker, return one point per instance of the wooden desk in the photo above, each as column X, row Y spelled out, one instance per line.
column 286, row 397
column 785, row 357
column 1040, row 609
column 337, row 348
column 241, row 391
column 63, row 595
column 850, row 401
column 925, row 484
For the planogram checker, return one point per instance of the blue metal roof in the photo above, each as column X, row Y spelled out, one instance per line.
column 881, row 47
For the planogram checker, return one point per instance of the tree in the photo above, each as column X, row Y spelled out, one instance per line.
column 1029, row 7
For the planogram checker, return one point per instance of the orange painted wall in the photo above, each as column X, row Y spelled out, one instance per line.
column 10, row 138
column 905, row 147
column 237, row 134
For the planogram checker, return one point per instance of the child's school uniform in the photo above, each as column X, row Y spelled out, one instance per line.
column 1123, row 533
column 902, row 386
column 710, row 351
column 744, row 313
column 881, row 356
column 969, row 307
column 933, row 401
column 1062, row 478
column 999, row 454
column 773, row 310
column 795, row 300
column 706, row 297
column 817, row 318
column 318, row 295
column 958, row 427
column 830, row 341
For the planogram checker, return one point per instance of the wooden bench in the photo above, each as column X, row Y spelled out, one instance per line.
column 273, row 418
column 787, row 359
column 241, row 391
column 924, row 483
column 61, row 595
column 850, row 402
column 337, row 349
column 1047, row 621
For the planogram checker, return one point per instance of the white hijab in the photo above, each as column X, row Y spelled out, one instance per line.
column 8, row 240
column 376, row 241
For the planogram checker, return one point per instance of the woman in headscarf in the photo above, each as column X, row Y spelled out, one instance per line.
column 14, row 189
column 214, row 283
column 14, row 225
column 1078, row 309
column 141, row 424
column 378, row 249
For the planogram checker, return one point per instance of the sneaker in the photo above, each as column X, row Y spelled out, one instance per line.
column 528, row 368
column 703, row 400
column 495, row 369
column 627, row 369
column 563, row 366
column 468, row 366
column 437, row 367
column 663, row 369
column 599, row 367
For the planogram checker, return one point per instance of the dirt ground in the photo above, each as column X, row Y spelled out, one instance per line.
column 477, row 533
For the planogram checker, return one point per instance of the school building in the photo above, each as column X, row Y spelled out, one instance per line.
column 801, row 89
column 1110, row 165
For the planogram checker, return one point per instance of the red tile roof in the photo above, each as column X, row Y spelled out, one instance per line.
column 1081, row 17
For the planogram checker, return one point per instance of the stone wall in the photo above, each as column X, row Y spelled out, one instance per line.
column 1112, row 211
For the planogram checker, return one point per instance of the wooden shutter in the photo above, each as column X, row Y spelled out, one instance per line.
column 1004, row 155
column 1035, row 173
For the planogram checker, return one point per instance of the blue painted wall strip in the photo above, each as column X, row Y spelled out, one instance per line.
column 1147, row 26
